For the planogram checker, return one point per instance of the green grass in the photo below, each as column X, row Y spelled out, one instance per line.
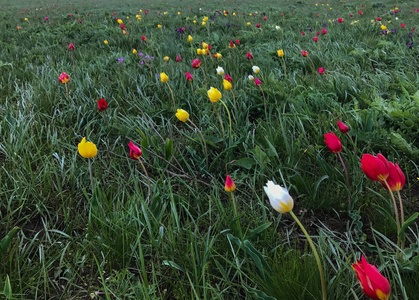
column 114, row 242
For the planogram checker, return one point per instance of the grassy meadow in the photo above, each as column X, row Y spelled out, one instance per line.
column 91, row 228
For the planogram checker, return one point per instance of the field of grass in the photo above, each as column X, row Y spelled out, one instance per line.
column 90, row 228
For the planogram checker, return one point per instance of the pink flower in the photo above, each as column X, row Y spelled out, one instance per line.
column 258, row 25
column 303, row 33
column 324, row 31
column 178, row 58
column 258, row 82
column 343, row 128
column 265, row 18
column 188, row 76
column 340, row 20
column 317, row 33
column 304, row 53
column 316, row 39
column 249, row 55
column 143, row 38
column 71, row 47
column 134, row 151
column 351, row 15
column 46, row 18
column 228, row 78
column 403, row 25
column 321, row 70
column 237, row 42
column 360, row 12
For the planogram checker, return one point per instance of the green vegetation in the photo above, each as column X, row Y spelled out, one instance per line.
column 112, row 241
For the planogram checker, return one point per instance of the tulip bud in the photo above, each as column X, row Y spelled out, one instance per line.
column 71, row 47
column 279, row 197
column 102, row 104
column 227, row 85
column 280, row 53
column 182, row 115
column 134, row 151
column 342, row 127
column 249, row 55
column 228, row 78
column 214, row 94
column 163, row 77
column 178, row 58
column 229, row 185
column 333, row 142
column 87, row 149
column 258, row 82
column 188, row 76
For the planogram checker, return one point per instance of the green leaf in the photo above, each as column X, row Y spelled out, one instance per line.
column 246, row 163
column 7, row 288
column 168, row 148
column 407, row 223
column 256, row 294
column 5, row 242
column 369, row 124
column 172, row 264
column 259, row 229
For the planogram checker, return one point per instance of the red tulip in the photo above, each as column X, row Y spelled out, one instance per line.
column 321, row 70
column 71, row 47
column 228, row 78
column 102, row 105
column 342, row 127
column 316, row 39
column 188, row 76
column 178, row 58
column 265, row 18
column 122, row 26
column 351, row 15
column 395, row 179
column 333, row 142
column 375, row 167
column 64, row 78
column 196, row 63
column 231, row 44
column 304, row 53
column 324, row 31
column 143, row 38
column 249, row 55
column 403, row 25
column 134, row 151
column 374, row 285
column 360, row 12
column 317, row 33
column 303, row 33
column 229, row 186
column 340, row 20
column 237, row 42
column 316, row 15
column 258, row 25
column 258, row 82
column 378, row 19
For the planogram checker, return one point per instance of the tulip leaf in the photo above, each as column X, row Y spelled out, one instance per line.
column 168, row 148
column 5, row 242
column 246, row 163
column 7, row 291
column 259, row 229
column 407, row 223
column 259, row 295
column 369, row 124
column 172, row 264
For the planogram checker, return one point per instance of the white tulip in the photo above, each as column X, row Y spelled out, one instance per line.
column 279, row 197
column 251, row 77
column 220, row 71
column 255, row 69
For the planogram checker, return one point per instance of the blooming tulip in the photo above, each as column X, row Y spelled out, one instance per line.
column 256, row 69
column 231, row 45
column 258, row 82
column 196, row 63
column 333, row 142
column 279, row 197
column 87, row 149
column 64, row 78
column 190, row 39
column 249, row 55
column 166, row 58
column 324, row 31
column 199, row 51
column 251, row 77
column 144, row 38
column 220, row 70
column 321, row 70
column 218, row 55
column 182, row 115
column 134, row 151
column 188, row 76
column 304, row 53
column 280, row 53
column 316, row 39
column 395, row 179
column 375, row 167
column 228, row 78
column 71, row 47
column 102, row 105
column 227, row 85
column 342, row 127
column 163, row 77
column 229, row 185
column 214, row 94
column 374, row 285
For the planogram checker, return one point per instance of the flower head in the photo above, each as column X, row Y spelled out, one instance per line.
column 333, row 142
column 163, row 77
column 196, row 63
column 144, row 38
column 228, row 78
column 199, row 51
column 395, row 179
column 178, row 58
column 182, row 115
column 322, row 70
column 64, row 78
column 214, row 94
column 375, row 167
column 227, row 85
column 159, row 26
column 256, row 69
column 324, row 31
column 374, row 285
column 342, row 127
column 102, row 105
column 258, row 82
column 166, row 58
column 105, row 42
column 190, row 39
column 251, row 78
column 188, row 76
column 280, row 53
column 71, row 47
column 220, row 71
column 229, row 185
column 134, row 151
column 316, row 39
column 304, row 53
column 218, row 55
column 87, row 149
column 231, row 45
column 279, row 197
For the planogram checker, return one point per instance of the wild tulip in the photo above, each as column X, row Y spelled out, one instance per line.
column 71, row 47
column 324, row 31
column 188, row 76
column 105, row 42
column 322, row 70
column 249, row 55
column 87, row 149
column 403, row 25
column 316, row 39
column 227, row 85
column 333, row 142
column 237, row 42
column 251, row 78
column 360, row 12
column 304, row 53
column 182, row 115
column 204, row 45
column 256, row 69
column 378, row 19
column 218, row 55
column 340, row 20
column 231, row 45
column 163, row 77
column 317, row 33
column 220, row 71
column 102, row 105
column 279, row 198
column 343, row 128
column 64, row 78
column 178, row 58
column 258, row 82
column 257, row 25
column 395, row 179
column 196, row 63
column 190, row 39
column 199, row 51
column 122, row 26
column 265, row 18
column 229, row 184
column 303, row 33
column 351, row 15
column 280, row 53
column 134, row 151
column 228, row 78
column 373, row 284
column 144, row 38
column 375, row 167
column 214, row 94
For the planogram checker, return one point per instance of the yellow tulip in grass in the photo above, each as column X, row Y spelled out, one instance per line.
column 215, row 96
column 159, row 26
column 105, row 42
column 88, row 150
column 282, row 202
column 190, row 39
column 166, row 58
column 281, row 54
column 227, row 85
column 183, row 116
column 164, row 78
column 134, row 51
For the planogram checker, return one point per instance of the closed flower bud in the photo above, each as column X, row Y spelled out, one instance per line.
column 280, row 53
column 163, row 77
column 333, row 142
column 228, row 78
column 342, row 127
column 227, row 85
column 375, row 167
column 182, row 115
column 102, row 105
column 258, row 82
column 190, row 38
column 214, row 94
column 134, row 151
column 279, row 197
column 87, row 149
column 71, row 47
column 188, row 76
column 249, row 55
column 220, row 70
column 166, row 58
column 229, row 185
column 256, row 69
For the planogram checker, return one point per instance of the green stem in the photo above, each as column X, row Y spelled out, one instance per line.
column 264, row 102
column 205, row 144
column 402, row 216
column 347, row 181
column 229, row 119
column 171, row 92
column 235, row 105
column 91, row 175
column 148, row 178
column 396, row 213
column 234, row 203
column 319, row 264
column 219, row 118
column 352, row 141
column 285, row 67
column 312, row 64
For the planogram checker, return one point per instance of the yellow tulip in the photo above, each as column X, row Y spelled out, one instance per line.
column 166, row 58
column 248, row 23
column 120, row 21
column 163, row 77
column 218, row 55
column 87, row 149
column 203, row 23
column 234, row 14
column 106, row 42
column 134, row 51
column 280, row 53
column 204, row 51
column 190, row 38
column 205, row 19
column 26, row 19
column 214, row 94
column 141, row 10
column 204, row 45
column 179, row 13
column 383, row 27
column 159, row 26
column 199, row 51
column 227, row 85
column 182, row 115
column 194, row 21
column 165, row 13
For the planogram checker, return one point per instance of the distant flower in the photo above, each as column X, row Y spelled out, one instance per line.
column 280, row 53
column 324, row 31
column 303, row 33
column 258, row 82
column 166, row 58
column 190, row 39
column 229, row 184
column 188, row 76
column 257, row 25
column 214, row 94
column 178, row 58
column 249, row 55
column 64, row 78
column 256, row 69
column 340, row 20
column 321, row 70
column 143, row 38
column 304, row 53
column 134, row 51
column 231, row 45
column 196, row 63
column 46, row 18
column 333, row 142
column 134, row 151
column 227, row 85
column 343, row 128
column 182, row 115
column 163, row 77
column 220, row 70
column 105, row 42
column 409, row 45
column 121, row 59
column 316, row 39
column 228, row 78
column 277, row 27
column 102, row 105
column 403, row 25
column 251, row 78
